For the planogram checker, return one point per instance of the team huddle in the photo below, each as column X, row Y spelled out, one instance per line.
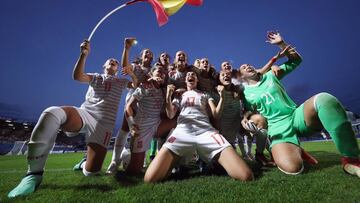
column 192, row 111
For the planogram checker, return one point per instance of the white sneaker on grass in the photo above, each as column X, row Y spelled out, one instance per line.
column 112, row 169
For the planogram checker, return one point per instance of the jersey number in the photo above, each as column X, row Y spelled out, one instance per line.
column 268, row 97
column 190, row 101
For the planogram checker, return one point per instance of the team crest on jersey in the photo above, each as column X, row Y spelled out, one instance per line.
column 171, row 139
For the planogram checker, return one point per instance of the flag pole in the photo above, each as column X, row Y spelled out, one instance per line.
column 109, row 14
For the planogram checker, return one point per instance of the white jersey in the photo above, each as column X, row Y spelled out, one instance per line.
column 103, row 96
column 150, row 103
column 194, row 133
column 230, row 117
column 193, row 112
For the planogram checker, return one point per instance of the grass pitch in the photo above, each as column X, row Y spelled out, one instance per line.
column 325, row 182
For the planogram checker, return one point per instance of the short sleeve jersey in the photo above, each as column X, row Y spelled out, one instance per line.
column 269, row 97
column 103, row 96
column 150, row 104
column 194, row 111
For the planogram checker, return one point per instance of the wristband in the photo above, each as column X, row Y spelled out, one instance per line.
column 273, row 59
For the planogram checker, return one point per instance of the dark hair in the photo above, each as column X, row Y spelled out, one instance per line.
column 157, row 65
column 138, row 59
column 158, row 60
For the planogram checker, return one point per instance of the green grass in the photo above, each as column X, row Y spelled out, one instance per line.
column 325, row 182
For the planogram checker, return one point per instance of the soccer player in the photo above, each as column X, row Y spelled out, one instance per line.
column 233, row 112
column 194, row 133
column 141, row 69
column 96, row 117
column 149, row 99
column 287, row 121
column 164, row 61
column 207, row 77
column 181, row 66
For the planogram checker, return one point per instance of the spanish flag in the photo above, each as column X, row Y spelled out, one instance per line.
column 165, row 8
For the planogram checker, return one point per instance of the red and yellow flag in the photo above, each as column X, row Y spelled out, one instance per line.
column 165, row 8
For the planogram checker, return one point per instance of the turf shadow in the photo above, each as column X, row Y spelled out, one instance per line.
column 214, row 169
column 127, row 180
column 100, row 187
column 325, row 159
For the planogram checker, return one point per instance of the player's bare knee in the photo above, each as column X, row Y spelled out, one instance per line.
column 150, row 177
column 243, row 175
column 247, row 176
column 291, row 169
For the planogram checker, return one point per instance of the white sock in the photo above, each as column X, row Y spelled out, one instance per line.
column 83, row 164
column 88, row 173
column 43, row 137
column 119, row 145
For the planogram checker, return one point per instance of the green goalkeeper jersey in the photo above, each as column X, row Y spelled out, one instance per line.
column 268, row 96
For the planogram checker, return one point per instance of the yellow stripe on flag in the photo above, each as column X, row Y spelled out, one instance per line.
column 172, row 6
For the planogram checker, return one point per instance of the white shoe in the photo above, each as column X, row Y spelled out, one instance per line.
column 112, row 169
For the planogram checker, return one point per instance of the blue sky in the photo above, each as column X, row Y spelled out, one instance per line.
column 39, row 44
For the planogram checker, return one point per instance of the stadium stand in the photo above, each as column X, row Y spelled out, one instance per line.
column 14, row 135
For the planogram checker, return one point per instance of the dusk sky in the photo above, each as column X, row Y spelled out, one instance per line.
column 39, row 44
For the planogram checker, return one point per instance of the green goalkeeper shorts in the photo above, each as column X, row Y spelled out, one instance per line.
column 289, row 129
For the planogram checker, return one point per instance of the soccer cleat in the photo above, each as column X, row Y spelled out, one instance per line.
column 351, row 165
column 112, row 169
column 261, row 158
column 78, row 166
column 27, row 186
column 308, row 157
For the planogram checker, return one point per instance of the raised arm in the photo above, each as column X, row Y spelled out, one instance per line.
column 272, row 61
column 170, row 108
column 78, row 72
column 294, row 57
column 127, row 70
column 216, row 111
column 274, row 37
column 128, row 42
